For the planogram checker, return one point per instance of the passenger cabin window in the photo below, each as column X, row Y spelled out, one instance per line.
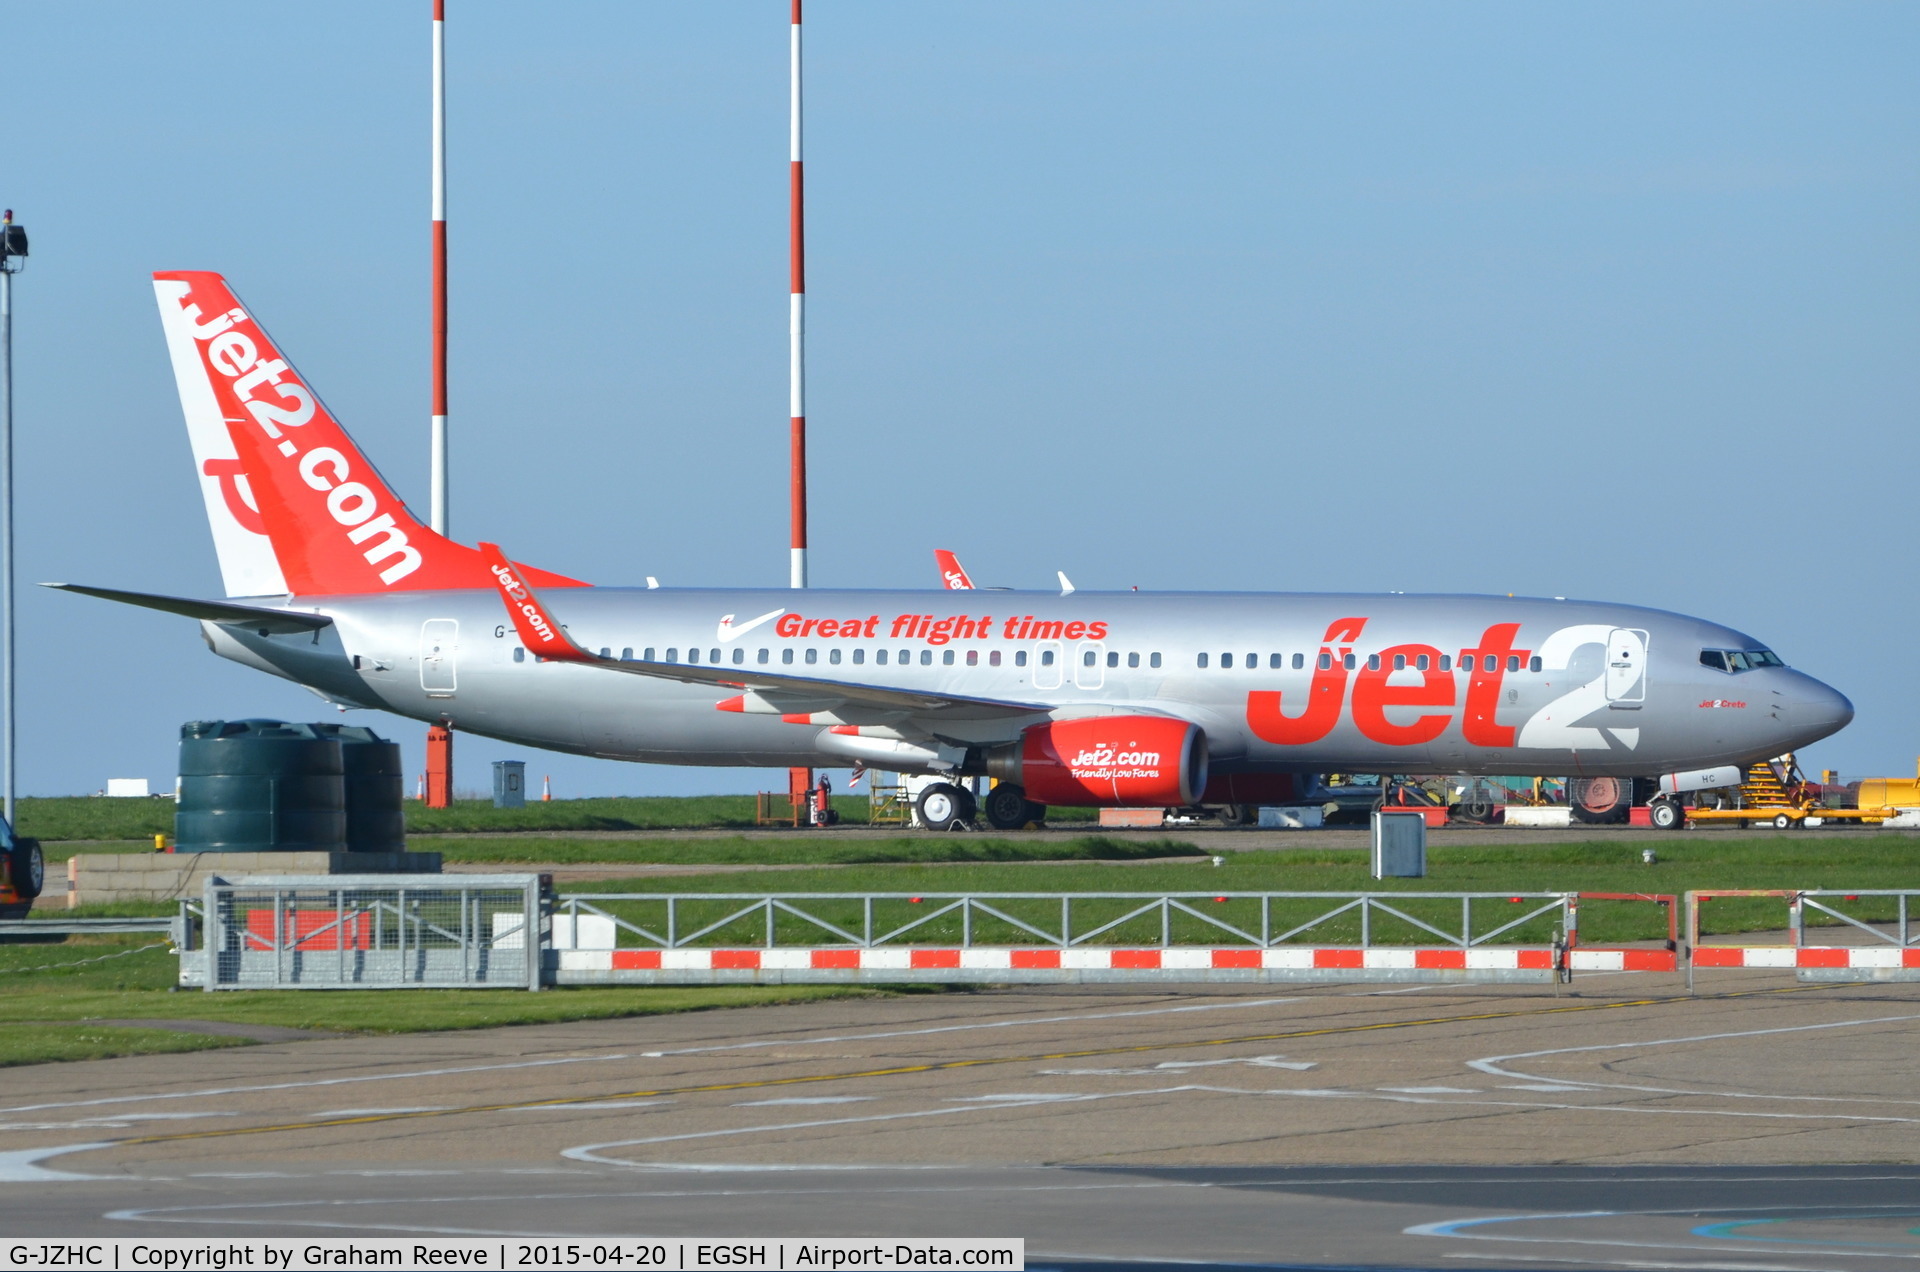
column 761, row 658
column 880, row 656
column 605, row 652
column 1299, row 661
column 813, row 656
column 973, row 658
column 1153, row 660
column 1133, row 660
column 1253, row 661
column 673, row 654
column 713, row 656
column 926, row 658
column 1348, row 662
column 993, row 658
column 1326, row 662
column 693, row 655
column 1422, row 662
column 833, row 656
column 1201, row 660
column 1113, row 659
column 1274, row 661
column 1019, row 657
column 1226, row 660
column 739, row 655
column 1533, row 664
column 1399, row 662
column 1513, row 662
column 906, row 656
column 1490, row 663
column 1373, row 662
column 626, row 655
column 1446, row 662
column 647, row 653
column 1088, row 658
column 1046, row 658
column 859, row 657
column 946, row 658
column 786, row 656
column 519, row 654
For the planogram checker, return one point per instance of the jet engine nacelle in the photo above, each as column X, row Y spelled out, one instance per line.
column 1108, row 762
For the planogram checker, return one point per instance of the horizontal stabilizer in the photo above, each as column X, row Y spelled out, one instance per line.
column 275, row 621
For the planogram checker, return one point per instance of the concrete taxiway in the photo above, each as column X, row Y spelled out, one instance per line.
column 1758, row 1123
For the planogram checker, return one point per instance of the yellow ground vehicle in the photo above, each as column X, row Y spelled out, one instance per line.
column 1776, row 792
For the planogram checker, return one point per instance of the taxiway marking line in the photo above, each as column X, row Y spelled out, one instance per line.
column 941, row 1066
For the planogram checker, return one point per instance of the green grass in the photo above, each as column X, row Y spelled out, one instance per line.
column 801, row 850
column 96, row 817
column 41, row 1042
column 52, row 1014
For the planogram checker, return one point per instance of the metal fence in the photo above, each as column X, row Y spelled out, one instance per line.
column 867, row 920
column 363, row 932
column 1859, row 934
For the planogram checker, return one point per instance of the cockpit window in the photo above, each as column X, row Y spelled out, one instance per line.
column 1738, row 660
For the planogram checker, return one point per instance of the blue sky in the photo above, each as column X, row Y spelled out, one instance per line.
column 1602, row 300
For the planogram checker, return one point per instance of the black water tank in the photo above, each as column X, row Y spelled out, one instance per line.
column 260, row 786
column 375, row 785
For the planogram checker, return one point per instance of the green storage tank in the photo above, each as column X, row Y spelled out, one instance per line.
column 260, row 786
column 375, row 785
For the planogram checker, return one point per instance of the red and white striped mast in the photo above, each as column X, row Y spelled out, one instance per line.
column 797, row 319
column 437, row 502
column 439, row 784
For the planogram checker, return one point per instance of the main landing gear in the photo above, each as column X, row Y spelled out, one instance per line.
column 943, row 806
column 1008, row 808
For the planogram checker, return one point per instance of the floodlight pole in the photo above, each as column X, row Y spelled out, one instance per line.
column 13, row 258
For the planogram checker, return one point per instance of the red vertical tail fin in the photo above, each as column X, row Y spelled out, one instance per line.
column 295, row 506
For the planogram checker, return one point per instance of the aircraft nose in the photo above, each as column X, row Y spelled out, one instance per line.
column 1821, row 709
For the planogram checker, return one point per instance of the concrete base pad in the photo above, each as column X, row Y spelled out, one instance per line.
column 100, row 878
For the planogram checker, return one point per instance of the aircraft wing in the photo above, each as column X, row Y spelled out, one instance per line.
column 543, row 635
column 259, row 618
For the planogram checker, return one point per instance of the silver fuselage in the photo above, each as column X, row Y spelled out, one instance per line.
column 1579, row 688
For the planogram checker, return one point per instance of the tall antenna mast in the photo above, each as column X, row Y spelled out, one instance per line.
column 437, row 504
column 797, row 320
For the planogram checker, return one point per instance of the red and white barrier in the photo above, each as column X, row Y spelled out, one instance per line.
column 1049, row 963
column 1864, row 957
column 1603, row 960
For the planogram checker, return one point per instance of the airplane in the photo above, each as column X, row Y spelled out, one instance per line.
column 1084, row 698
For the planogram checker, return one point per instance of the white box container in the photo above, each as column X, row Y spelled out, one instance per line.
column 1559, row 817
column 127, row 788
column 1293, row 817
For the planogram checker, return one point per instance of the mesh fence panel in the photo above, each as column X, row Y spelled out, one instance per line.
column 336, row 933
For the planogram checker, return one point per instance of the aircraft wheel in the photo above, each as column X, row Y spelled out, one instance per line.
column 1783, row 822
column 943, row 805
column 1008, row 807
column 1236, row 814
column 1665, row 814
column 27, row 867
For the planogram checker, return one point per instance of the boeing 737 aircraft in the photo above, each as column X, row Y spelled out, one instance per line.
column 1088, row 698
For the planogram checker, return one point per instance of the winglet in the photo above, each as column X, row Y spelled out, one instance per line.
column 539, row 630
column 952, row 575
